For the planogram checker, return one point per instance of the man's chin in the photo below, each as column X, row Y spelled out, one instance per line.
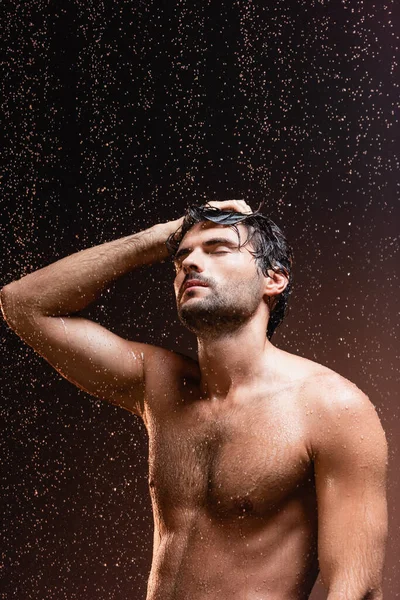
column 193, row 292
column 194, row 304
column 189, row 299
column 205, row 318
column 193, row 311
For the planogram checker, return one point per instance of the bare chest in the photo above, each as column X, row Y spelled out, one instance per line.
column 230, row 460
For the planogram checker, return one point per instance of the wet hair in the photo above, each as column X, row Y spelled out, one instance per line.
column 271, row 249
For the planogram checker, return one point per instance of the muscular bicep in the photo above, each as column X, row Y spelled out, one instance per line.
column 92, row 357
column 350, row 473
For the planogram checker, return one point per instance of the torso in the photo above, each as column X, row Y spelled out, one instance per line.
column 232, row 487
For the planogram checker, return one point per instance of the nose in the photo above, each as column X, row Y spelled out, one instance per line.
column 193, row 262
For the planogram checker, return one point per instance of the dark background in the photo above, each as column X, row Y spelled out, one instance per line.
column 117, row 115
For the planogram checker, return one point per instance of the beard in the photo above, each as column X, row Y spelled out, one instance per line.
column 222, row 311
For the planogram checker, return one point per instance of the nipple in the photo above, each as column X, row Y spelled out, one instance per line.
column 245, row 505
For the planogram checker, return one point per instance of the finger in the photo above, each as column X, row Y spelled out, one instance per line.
column 243, row 206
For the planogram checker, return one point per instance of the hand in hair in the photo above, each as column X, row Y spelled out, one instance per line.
column 237, row 205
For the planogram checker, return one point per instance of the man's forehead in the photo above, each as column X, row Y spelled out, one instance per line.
column 207, row 229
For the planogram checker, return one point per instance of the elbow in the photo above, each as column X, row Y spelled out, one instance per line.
column 7, row 301
column 13, row 307
column 375, row 593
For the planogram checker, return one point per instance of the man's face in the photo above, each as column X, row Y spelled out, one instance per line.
column 217, row 285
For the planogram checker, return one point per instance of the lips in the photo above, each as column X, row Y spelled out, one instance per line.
column 192, row 283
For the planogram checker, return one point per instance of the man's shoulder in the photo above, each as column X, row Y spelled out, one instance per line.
column 343, row 415
column 325, row 386
column 332, row 407
column 336, row 401
column 332, row 391
column 326, row 393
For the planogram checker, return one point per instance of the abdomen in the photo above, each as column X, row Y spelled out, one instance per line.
column 203, row 557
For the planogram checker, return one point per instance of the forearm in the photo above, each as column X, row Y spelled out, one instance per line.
column 72, row 283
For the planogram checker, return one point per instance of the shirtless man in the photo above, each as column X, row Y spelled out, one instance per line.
column 264, row 467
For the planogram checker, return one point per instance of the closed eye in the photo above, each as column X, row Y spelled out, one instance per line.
column 216, row 246
column 220, row 249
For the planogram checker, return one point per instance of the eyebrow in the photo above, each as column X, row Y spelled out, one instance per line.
column 211, row 242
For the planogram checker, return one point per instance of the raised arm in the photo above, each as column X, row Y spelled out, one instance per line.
column 41, row 308
column 350, row 457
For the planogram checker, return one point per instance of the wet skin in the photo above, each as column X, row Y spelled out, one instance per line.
column 230, row 474
column 242, row 442
column 232, row 484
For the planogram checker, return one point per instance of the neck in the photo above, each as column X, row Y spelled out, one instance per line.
column 233, row 360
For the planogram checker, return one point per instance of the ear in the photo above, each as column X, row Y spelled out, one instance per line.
column 275, row 283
